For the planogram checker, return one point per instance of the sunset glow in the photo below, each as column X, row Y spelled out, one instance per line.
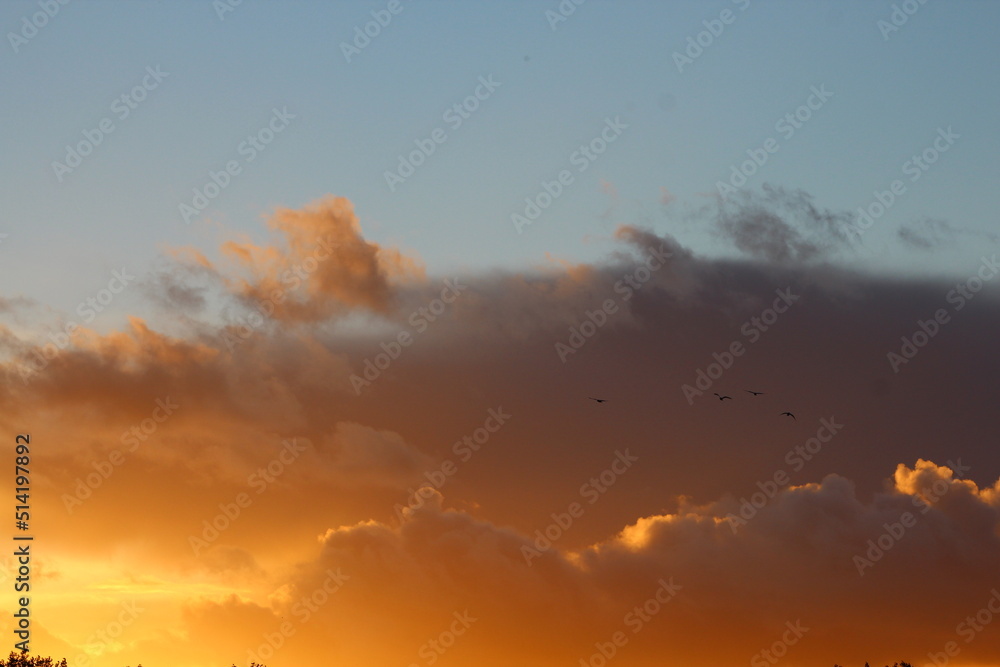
column 526, row 334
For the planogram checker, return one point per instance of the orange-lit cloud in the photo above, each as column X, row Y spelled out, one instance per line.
column 227, row 476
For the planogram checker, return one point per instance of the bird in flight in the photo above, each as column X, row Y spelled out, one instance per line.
column 789, row 414
column 722, row 398
column 599, row 400
column 755, row 393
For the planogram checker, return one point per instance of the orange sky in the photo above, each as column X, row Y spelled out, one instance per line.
column 239, row 404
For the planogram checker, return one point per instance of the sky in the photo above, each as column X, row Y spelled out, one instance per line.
column 307, row 324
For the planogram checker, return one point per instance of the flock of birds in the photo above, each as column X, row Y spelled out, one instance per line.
column 721, row 397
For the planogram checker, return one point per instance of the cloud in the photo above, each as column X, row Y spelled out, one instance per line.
column 360, row 454
column 171, row 292
column 929, row 233
column 319, row 265
column 14, row 304
column 244, row 389
column 795, row 560
column 779, row 225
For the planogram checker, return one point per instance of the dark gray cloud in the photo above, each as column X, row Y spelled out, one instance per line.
column 643, row 327
column 778, row 225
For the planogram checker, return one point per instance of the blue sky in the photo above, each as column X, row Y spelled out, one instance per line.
column 166, row 98
column 557, row 89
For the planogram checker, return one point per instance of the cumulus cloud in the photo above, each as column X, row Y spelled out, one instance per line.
column 794, row 560
column 244, row 389
column 318, row 265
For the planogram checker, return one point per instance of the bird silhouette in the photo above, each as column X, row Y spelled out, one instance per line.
column 789, row 414
column 722, row 398
column 599, row 400
column 755, row 393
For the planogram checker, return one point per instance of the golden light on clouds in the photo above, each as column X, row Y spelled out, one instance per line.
column 229, row 480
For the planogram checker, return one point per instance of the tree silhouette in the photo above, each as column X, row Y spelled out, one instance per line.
column 24, row 660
